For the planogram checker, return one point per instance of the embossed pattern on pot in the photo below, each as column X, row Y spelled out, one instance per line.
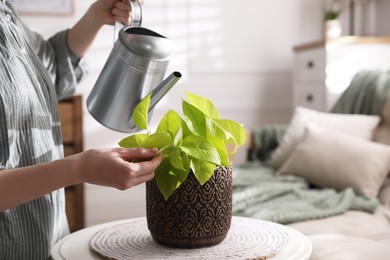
column 194, row 216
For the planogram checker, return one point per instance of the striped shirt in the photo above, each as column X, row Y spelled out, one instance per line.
column 34, row 74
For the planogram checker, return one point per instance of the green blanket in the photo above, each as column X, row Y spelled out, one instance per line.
column 258, row 193
column 366, row 93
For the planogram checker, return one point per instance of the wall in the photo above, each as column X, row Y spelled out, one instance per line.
column 370, row 17
column 237, row 54
column 382, row 18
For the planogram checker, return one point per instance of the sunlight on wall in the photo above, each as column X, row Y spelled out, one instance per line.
column 205, row 32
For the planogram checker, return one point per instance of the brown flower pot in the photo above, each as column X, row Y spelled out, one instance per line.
column 194, row 216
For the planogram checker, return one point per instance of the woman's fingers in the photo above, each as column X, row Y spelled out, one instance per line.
column 146, row 167
column 131, row 154
column 142, row 171
column 122, row 12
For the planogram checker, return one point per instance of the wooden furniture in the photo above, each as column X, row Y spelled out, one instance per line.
column 324, row 69
column 72, row 134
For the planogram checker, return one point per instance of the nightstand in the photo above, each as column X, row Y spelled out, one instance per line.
column 324, row 69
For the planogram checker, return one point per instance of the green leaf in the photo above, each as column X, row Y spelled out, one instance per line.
column 132, row 141
column 157, row 140
column 195, row 118
column 202, row 170
column 200, row 148
column 221, row 148
column 235, row 129
column 169, row 178
column 176, row 159
column 331, row 15
column 186, row 130
column 203, row 104
column 218, row 131
column 141, row 112
column 170, row 123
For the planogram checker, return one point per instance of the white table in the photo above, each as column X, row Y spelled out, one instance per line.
column 76, row 245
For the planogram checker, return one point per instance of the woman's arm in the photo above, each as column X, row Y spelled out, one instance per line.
column 81, row 36
column 107, row 167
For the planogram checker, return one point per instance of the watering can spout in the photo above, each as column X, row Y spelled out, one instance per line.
column 158, row 93
column 163, row 88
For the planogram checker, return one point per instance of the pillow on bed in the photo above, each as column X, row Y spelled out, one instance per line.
column 382, row 135
column 384, row 193
column 362, row 126
column 332, row 159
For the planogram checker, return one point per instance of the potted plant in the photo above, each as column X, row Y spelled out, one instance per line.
column 331, row 18
column 189, row 200
column 331, row 15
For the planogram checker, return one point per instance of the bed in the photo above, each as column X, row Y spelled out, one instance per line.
column 326, row 174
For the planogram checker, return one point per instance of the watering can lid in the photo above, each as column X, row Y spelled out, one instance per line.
column 145, row 42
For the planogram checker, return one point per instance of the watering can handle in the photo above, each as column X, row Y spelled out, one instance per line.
column 136, row 17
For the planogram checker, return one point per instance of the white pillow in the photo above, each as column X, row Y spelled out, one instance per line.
column 362, row 126
column 382, row 135
column 335, row 160
column 384, row 192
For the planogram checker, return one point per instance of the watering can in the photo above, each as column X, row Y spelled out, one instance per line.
column 135, row 67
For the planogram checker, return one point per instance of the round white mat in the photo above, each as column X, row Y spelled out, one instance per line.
column 247, row 239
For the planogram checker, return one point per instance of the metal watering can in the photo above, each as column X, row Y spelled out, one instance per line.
column 135, row 67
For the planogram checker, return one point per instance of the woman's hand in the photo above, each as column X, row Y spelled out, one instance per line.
column 121, row 168
column 110, row 11
column 117, row 167
column 81, row 36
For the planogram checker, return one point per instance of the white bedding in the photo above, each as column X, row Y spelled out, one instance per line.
column 353, row 235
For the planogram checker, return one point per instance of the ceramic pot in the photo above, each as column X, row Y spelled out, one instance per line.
column 194, row 216
column 332, row 29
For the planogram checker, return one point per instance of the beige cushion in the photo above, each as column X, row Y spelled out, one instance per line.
column 332, row 159
column 382, row 134
column 384, row 193
column 362, row 126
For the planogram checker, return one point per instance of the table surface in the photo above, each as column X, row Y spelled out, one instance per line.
column 76, row 245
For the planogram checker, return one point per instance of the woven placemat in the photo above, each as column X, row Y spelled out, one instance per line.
column 247, row 239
